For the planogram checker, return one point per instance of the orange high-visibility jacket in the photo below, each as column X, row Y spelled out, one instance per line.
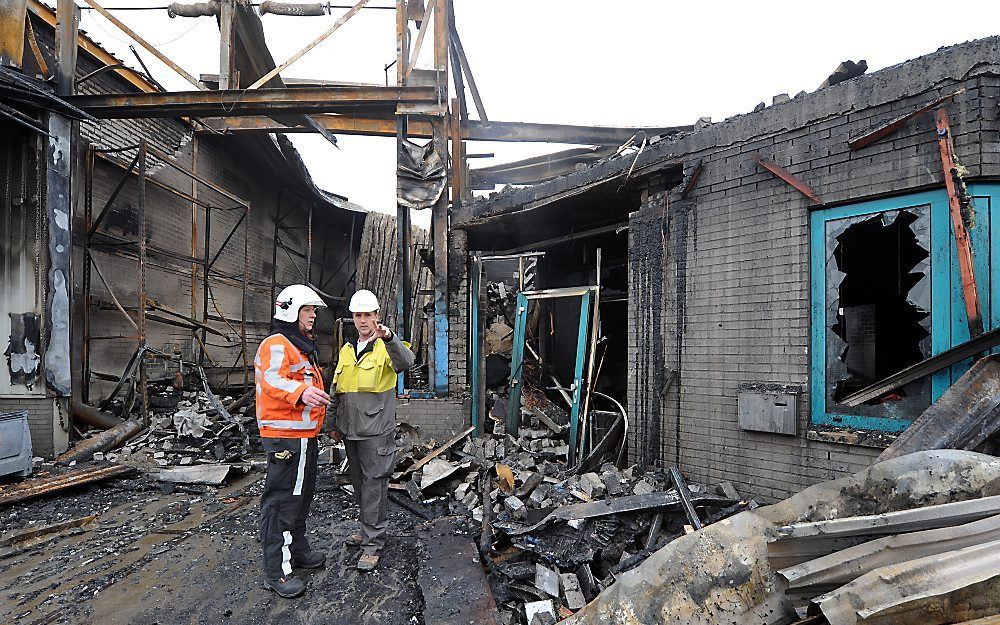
column 280, row 372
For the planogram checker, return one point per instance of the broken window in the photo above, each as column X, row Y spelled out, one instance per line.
column 877, row 308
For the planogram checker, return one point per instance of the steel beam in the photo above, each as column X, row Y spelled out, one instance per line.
column 978, row 345
column 234, row 103
column 472, row 130
column 788, row 177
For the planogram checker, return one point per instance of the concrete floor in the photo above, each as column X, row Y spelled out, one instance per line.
column 193, row 557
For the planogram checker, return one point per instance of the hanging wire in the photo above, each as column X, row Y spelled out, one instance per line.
column 253, row 4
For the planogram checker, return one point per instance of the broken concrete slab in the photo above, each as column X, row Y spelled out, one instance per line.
column 572, row 595
column 213, row 474
column 547, row 580
column 535, row 608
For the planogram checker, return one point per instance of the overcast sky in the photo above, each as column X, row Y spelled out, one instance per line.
column 638, row 62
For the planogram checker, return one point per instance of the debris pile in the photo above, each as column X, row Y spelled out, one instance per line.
column 912, row 536
column 187, row 428
column 553, row 536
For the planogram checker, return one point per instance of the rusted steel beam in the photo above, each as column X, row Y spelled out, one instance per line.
column 466, row 69
column 692, row 179
column 966, row 265
column 787, row 176
column 893, row 125
column 472, row 130
column 38, row 487
column 235, row 103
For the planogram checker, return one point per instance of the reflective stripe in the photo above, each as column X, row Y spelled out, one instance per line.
column 271, row 373
column 286, row 554
column 286, row 424
column 299, row 366
column 301, row 473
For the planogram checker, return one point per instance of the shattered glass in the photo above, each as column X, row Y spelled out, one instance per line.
column 878, row 305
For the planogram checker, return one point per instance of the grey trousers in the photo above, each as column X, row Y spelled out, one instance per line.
column 371, row 462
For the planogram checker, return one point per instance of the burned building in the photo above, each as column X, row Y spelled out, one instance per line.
column 180, row 239
column 776, row 263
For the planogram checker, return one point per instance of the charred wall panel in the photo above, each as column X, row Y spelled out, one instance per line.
column 22, row 263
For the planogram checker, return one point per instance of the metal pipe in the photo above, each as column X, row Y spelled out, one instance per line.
column 93, row 417
column 109, row 439
column 309, row 9
column 196, row 9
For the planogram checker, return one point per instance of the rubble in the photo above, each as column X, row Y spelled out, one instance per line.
column 725, row 573
column 551, row 536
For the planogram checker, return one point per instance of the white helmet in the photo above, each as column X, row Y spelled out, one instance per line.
column 292, row 298
column 363, row 301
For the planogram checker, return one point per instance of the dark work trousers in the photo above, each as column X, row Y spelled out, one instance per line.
column 371, row 462
column 284, row 504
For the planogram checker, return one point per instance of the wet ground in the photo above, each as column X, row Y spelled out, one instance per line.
column 191, row 556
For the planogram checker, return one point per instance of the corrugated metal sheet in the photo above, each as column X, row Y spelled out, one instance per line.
column 939, row 589
column 22, row 262
column 836, row 569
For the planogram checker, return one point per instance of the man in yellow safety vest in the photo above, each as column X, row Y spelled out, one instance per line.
column 364, row 404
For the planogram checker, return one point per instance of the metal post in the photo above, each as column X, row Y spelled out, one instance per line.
column 403, row 234
column 274, row 248
column 243, row 309
column 88, row 218
column 966, row 265
column 141, row 210
column 194, row 233
column 309, row 245
column 204, row 286
column 59, row 212
column 439, row 217
column 227, row 56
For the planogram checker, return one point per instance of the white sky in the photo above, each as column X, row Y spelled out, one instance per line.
column 632, row 62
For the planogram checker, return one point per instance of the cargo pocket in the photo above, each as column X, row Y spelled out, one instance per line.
column 368, row 376
column 386, row 458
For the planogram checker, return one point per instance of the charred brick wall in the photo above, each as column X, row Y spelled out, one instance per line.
column 719, row 281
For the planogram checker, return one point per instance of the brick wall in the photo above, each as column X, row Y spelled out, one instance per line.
column 719, row 281
column 458, row 313
column 45, row 421
column 440, row 419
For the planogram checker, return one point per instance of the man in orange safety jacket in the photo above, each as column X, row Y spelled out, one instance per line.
column 290, row 410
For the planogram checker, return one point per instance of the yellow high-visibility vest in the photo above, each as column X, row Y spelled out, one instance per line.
column 372, row 374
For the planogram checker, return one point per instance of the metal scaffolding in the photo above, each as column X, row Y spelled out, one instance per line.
column 202, row 268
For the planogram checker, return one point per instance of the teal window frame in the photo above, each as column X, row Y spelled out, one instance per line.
column 947, row 316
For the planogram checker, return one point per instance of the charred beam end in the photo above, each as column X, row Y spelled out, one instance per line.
column 787, row 176
column 685, row 494
column 886, row 129
column 257, row 102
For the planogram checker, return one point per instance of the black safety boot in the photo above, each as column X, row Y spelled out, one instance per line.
column 311, row 560
column 286, row 587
